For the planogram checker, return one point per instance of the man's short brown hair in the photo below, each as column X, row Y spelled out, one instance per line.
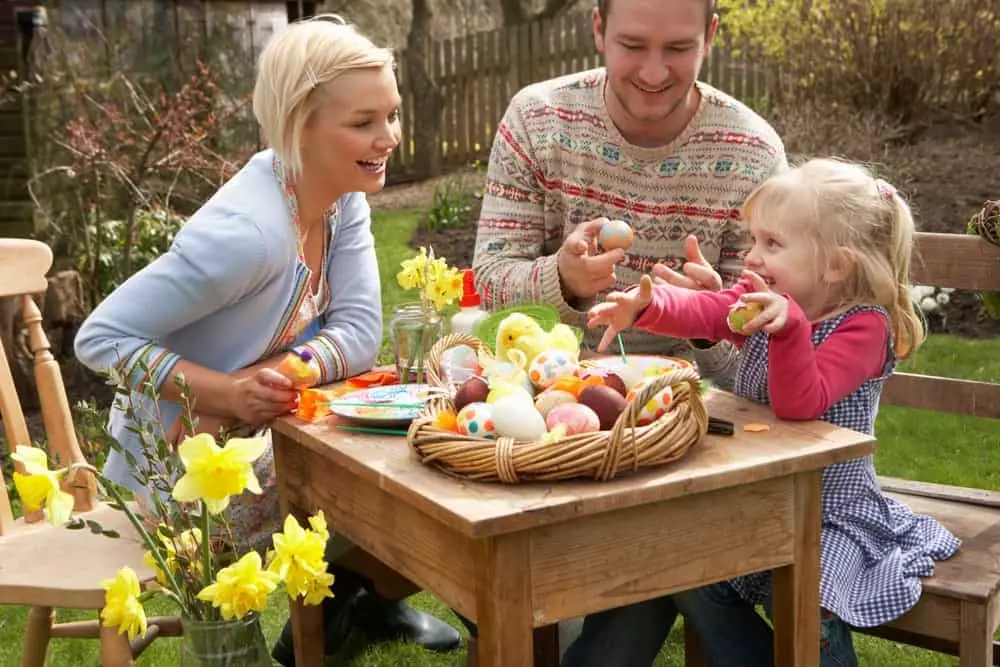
column 604, row 5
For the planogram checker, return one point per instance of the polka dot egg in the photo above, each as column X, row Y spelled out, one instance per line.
column 551, row 365
column 476, row 419
column 656, row 406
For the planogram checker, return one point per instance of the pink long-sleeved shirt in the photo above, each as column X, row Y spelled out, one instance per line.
column 803, row 380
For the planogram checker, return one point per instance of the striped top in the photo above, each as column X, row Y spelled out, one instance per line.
column 558, row 160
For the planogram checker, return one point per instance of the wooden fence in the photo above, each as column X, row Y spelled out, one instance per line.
column 478, row 73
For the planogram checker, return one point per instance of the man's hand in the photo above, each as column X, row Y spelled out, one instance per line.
column 698, row 274
column 620, row 311
column 584, row 271
column 775, row 314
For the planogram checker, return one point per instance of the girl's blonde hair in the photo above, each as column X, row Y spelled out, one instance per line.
column 297, row 61
column 841, row 205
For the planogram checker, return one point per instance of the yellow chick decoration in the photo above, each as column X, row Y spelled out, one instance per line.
column 518, row 331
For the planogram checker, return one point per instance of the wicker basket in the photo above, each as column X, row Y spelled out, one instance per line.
column 601, row 455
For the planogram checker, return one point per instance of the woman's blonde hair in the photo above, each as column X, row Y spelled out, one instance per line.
column 841, row 205
column 295, row 62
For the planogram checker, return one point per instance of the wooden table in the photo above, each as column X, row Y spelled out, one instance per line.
column 514, row 558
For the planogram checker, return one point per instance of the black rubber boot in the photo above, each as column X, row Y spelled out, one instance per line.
column 383, row 619
column 337, row 616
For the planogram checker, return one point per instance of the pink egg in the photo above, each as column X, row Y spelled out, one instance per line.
column 656, row 406
column 575, row 417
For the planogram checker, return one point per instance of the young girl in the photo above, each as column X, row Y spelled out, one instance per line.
column 829, row 267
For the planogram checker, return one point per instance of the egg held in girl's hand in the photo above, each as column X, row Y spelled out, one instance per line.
column 476, row 419
column 741, row 314
column 516, row 418
column 655, row 407
column 575, row 417
column 615, row 234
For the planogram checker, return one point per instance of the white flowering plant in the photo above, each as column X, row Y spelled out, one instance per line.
column 931, row 300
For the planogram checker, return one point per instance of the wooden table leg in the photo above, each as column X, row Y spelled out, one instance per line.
column 796, row 586
column 307, row 620
column 503, row 602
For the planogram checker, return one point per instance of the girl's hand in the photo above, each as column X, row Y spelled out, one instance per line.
column 698, row 273
column 260, row 396
column 775, row 314
column 620, row 311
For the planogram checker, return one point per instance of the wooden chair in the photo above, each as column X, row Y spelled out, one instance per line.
column 48, row 567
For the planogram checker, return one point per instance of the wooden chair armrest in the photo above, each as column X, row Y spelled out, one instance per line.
column 958, row 494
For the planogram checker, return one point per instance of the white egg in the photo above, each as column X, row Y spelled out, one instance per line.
column 516, row 418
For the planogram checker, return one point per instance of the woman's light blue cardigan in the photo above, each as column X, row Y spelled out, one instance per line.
column 225, row 293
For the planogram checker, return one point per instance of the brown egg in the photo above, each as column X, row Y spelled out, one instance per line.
column 615, row 382
column 605, row 401
column 473, row 390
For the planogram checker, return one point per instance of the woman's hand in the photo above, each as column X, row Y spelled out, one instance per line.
column 620, row 310
column 774, row 317
column 698, row 274
column 261, row 395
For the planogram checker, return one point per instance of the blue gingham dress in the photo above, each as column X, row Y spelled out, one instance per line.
column 873, row 550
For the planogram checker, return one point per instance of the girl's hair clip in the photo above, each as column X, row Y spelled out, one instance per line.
column 886, row 190
column 311, row 77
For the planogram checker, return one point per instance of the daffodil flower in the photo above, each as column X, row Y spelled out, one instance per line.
column 241, row 588
column 122, row 608
column 298, row 559
column 38, row 486
column 214, row 473
column 189, row 541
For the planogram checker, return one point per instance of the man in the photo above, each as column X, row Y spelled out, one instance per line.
column 639, row 140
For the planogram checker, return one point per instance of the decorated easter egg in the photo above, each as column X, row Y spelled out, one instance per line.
column 606, row 403
column 550, row 398
column 551, row 365
column 473, row 390
column 741, row 314
column 655, row 407
column 608, row 377
column 476, row 419
column 615, row 234
column 576, row 417
column 514, row 418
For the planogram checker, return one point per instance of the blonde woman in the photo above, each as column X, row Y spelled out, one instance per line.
column 280, row 258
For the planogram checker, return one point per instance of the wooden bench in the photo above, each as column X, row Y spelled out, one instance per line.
column 959, row 610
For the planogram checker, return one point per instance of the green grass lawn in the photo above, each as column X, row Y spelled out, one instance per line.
column 923, row 446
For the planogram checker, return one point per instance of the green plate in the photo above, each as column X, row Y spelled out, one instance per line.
column 546, row 316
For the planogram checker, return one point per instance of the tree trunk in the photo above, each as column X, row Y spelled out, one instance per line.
column 427, row 99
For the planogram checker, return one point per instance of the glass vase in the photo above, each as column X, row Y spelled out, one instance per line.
column 224, row 643
column 413, row 329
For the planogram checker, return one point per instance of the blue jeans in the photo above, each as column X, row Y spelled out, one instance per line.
column 731, row 632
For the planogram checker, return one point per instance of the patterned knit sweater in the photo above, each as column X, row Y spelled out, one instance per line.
column 558, row 160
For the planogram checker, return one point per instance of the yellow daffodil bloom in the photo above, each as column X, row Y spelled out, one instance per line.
column 214, row 473
column 240, row 588
column 39, row 486
column 298, row 559
column 189, row 542
column 122, row 608
column 412, row 274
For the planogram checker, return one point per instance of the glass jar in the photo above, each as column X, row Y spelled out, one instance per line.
column 413, row 330
column 224, row 643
